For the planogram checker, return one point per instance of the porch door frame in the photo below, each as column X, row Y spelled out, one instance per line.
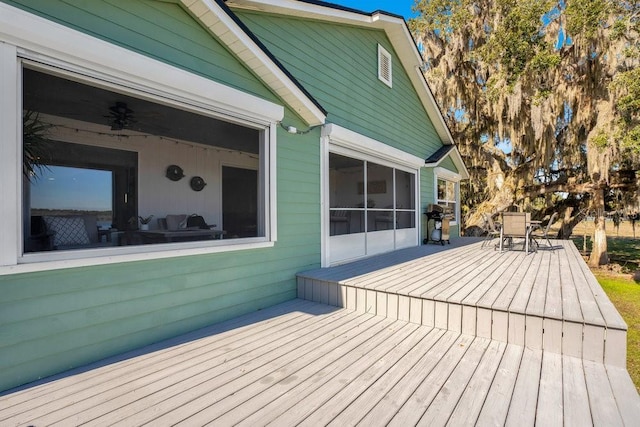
column 339, row 140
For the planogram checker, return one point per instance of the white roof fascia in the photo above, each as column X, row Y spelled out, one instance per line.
column 224, row 28
column 395, row 28
column 456, row 157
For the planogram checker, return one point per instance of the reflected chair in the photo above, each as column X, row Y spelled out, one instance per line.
column 197, row 221
column 543, row 233
column 337, row 217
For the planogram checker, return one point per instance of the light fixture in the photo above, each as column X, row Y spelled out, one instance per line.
column 121, row 116
column 293, row 130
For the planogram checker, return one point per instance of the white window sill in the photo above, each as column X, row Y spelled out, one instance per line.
column 47, row 261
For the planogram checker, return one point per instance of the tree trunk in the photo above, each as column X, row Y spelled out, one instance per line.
column 599, row 254
column 502, row 198
column 567, row 225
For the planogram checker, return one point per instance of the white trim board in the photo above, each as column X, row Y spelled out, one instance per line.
column 370, row 147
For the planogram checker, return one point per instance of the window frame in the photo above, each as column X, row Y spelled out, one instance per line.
column 339, row 140
column 99, row 63
column 450, row 177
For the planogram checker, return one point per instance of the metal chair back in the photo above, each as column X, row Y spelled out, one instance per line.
column 550, row 223
column 514, row 224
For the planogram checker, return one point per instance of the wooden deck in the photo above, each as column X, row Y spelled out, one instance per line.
column 546, row 300
column 312, row 364
column 454, row 335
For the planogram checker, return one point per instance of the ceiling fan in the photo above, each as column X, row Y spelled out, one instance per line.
column 121, row 116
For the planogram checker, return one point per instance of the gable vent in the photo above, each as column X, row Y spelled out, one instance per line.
column 384, row 66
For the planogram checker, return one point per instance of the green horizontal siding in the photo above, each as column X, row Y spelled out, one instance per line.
column 338, row 64
column 55, row 320
column 448, row 164
column 157, row 29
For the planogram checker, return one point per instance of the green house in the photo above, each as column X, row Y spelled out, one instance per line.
column 171, row 164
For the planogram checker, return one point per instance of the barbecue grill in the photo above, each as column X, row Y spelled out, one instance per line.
column 437, row 225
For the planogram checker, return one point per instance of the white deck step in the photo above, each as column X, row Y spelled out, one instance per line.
column 546, row 300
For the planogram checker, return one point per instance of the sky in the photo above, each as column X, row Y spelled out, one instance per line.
column 399, row 7
column 59, row 187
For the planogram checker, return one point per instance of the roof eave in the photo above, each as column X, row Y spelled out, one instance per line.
column 456, row 157
column 216, row 17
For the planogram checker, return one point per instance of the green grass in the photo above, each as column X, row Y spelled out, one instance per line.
column 624, row 292
column 624, row 251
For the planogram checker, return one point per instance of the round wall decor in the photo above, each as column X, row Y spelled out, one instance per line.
column 197, row 183
column 174, row 173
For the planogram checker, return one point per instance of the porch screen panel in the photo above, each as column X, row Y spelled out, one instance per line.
column 380, row 185
column 405, row 199
column 346, row 195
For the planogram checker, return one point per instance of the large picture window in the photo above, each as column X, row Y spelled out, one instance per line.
column 105, row 168
column 367, row 197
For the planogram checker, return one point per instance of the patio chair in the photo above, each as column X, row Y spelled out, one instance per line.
column 515, row 225
column 543, row 233
column 491, row 228
column 337, row 217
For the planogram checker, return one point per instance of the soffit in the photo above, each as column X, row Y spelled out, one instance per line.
column 394, row 27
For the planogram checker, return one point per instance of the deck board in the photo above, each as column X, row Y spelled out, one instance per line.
column 611, row 316
column 537, row 299
column 159, row 385
column 395, row 398
column 338, row 395
column 506, row 284
column 520, row 300
column 313, row 364
column 589, row 305
column 376, row 391
column 550, row 410
column 522, row 410
column 445, row 401
column 468, row 407
column 101, row 379
column 229, row 376
column 604, row 410
column 348, row 361
column 578, row 412
column 421, row 397
column 501, row 391
column 571, row 309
